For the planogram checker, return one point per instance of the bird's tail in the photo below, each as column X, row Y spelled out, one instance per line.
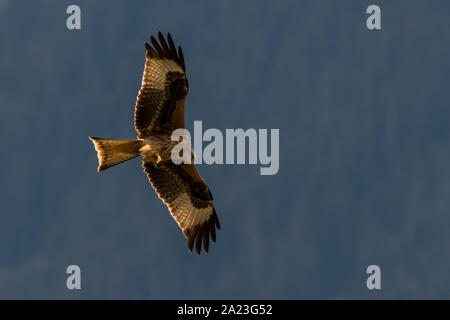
column 112, row 152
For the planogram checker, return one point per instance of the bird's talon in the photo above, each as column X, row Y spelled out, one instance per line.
column 158, row 161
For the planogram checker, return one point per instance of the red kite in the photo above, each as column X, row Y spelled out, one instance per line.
column 159, row 111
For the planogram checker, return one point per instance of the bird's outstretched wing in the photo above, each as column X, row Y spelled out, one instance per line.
column 188, row 199
column 164, row 87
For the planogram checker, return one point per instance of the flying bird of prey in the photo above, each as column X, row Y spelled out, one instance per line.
column 158, row 112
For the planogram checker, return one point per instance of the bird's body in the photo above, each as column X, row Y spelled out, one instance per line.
column 158, row 145
column 159, row 111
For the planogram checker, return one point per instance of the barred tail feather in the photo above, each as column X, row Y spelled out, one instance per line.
column 111, row 152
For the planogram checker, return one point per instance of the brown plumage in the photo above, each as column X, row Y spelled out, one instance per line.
column 160, row 110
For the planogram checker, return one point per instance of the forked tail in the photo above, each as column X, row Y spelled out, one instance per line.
column 111, row 152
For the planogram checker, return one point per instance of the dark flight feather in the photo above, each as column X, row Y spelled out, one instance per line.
column 187, row 200
column 164, row 87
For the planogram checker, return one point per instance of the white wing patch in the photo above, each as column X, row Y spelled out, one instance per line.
column 155, row 72
column 186, row 214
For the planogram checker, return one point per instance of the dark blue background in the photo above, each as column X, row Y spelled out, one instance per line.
column 364, row 149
